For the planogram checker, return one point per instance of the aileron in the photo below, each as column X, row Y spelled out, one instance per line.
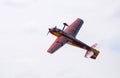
column 59, row 42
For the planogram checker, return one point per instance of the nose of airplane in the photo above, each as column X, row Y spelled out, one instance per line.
column 48, row 31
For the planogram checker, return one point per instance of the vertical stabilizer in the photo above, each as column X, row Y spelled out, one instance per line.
column 92, row 53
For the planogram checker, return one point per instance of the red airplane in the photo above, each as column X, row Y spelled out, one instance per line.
column 69, row 36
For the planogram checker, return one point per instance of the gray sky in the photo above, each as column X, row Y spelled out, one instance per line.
column 23, row 40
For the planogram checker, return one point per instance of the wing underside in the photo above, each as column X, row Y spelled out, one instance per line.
column 74, row 27
column 59, row 42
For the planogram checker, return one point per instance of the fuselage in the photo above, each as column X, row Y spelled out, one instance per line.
column 68, row 35
column 71, row 39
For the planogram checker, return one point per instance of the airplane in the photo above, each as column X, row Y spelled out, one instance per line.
column 68, row 35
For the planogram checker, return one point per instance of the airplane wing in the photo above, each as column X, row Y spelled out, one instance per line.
column 59, row 42
column 74, row 27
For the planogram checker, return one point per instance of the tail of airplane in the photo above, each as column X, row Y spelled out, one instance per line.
column 93, row 53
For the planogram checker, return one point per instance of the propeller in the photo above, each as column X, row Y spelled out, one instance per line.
column 51, row 29
column 48, row 31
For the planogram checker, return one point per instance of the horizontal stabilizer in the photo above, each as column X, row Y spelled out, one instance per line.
column 92, row 53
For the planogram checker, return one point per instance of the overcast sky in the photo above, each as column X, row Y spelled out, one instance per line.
column 24, row 43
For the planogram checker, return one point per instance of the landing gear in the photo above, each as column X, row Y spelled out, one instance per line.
column 65, row 24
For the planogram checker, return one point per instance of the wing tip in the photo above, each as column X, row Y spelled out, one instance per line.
column 49, row 51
